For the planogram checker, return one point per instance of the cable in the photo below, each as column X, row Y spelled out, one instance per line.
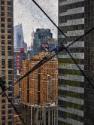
column 44, row 60
column 60, row 29
column 63, row 47
column 15, row 109
column 57, row 50
column 66, row 48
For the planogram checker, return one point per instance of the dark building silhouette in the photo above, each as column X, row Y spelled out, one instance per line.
column 41, row 37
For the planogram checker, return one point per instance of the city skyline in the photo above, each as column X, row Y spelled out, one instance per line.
column 50, row 82
column 27, row 14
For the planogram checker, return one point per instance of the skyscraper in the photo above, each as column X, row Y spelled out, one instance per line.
column 18, row 37
column 6, row 59
column 76, row 96
column 19, row 45
column 41, row 37
column 38, row 92
column 43, row 80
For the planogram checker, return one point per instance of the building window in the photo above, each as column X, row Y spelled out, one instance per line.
column 3, row 42
column 10, row 88
column 2, row 31
column 9, row 42
column 10, row 72
column 10, row 77
column 3, row 53
column 9, row 106
column 10, row 94
column 3, row 101
column 9, row 36
column 3, row 118
column 9, row 13
column 2, row 8
column 2, row 14
column 3, row 106
column 9, row 25
column 10, row 63
column 10, row 53
column 9, row 2
column 9, row 31
column 3, row 37
column 3, row 123
column 3, row 63
column 2, row 19
column 2, row 2
column 9, row 123
column 10, row 117
column 9, row 48
column 9, row 19
column 2, row 25
column 3, row 112
column 3, row 48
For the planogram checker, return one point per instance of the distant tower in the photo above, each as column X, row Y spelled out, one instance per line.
column 41, row 37
column 20, row 47
column 18, row 37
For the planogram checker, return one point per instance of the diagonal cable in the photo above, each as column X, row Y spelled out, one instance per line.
column 3, row 87
column 59, row 29
column 49, row 57
column 56, row 51
column 16, row 110
column 43, row 61
column 66, row 48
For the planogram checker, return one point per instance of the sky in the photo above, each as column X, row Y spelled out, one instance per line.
column 29, row 15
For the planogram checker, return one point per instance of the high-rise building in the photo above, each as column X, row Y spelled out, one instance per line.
column 20, row 48
column 41, row 37
column 76, row 96
column 6, row 59
column 42, row 82
column 39, row 91
column 18, row 38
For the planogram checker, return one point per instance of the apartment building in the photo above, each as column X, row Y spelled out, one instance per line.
column 39, row 91
column 41, row 87
column 6, row 59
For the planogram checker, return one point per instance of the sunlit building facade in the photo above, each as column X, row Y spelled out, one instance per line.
column 41, row 87
column 38, row 91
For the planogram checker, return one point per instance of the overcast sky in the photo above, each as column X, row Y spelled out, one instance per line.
column 26, row 12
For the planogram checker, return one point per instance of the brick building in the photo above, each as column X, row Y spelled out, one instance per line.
column 39, row 90
column 39, row 87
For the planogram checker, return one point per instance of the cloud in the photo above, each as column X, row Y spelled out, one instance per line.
column 27, row 13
